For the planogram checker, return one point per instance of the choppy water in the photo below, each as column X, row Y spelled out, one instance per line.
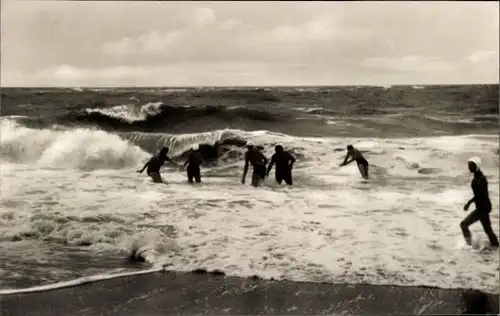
column 72, row 203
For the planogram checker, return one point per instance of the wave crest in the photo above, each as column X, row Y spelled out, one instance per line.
column 95, row 149
column 77, row 148
column 162, row 117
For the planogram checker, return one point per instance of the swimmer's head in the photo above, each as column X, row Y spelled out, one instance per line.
column 250, row 144
column 278, row 148
column 163, row 151
column 350, row 147
column 474, row 164
column 195, row 147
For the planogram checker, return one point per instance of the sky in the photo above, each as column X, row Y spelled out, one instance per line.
column 194, row 43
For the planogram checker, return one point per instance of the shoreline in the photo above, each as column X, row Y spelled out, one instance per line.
column 160, row 292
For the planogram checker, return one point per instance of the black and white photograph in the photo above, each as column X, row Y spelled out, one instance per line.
column 249, row 158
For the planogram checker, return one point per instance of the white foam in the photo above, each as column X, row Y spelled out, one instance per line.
column 330, row 226
column 79, row 148
column 76, row 282
column 130, row 112
column 308, row 110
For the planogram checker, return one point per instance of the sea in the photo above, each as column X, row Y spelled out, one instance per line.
column 73, row 204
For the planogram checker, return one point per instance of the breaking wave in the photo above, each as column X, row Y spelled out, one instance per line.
column 84, row 148
column 304, row 120
column 157, row 116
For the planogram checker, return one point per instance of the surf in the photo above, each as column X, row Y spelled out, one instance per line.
column 96, row 149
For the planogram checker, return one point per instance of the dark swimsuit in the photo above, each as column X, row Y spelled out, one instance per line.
column 362, row 161
column 479, row 187
column 259, row 165
column 482, row 200
column 260, row 170
column 283, row 169
column 155, row 164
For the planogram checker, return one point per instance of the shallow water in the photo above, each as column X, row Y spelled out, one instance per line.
column 60, row 220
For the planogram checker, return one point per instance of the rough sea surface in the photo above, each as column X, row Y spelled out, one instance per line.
column 72, row 203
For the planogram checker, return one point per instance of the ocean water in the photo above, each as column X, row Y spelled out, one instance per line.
column 73, row 205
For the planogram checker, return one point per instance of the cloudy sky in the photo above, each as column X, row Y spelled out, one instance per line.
column 63, row 43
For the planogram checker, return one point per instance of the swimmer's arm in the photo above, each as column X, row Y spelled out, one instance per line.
column 245, row 169
column 171, row 162
column 467, row 205
column 349, row 161
column 270, row 167
column 185, row 164
column 346, row 162
column 292, row 161
column 483, row 187
column 145, row 166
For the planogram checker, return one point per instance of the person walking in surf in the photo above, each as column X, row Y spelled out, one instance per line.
column 257, row 159
column 284, row 163
column 155, row 163
column 360, row 160
column 482, row 201
column 193, row 164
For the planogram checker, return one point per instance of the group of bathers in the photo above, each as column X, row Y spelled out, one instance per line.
column 284, row 162
column 282, row 159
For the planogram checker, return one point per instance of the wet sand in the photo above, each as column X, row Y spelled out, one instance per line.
column 196, row 293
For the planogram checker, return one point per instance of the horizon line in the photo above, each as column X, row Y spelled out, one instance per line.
column 248, row 86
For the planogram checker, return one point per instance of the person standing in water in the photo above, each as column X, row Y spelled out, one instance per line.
column 193, row 164
column 284, row 163
column 358, row 157
column 257, row 159
column 482, row 201
column 155, row 163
